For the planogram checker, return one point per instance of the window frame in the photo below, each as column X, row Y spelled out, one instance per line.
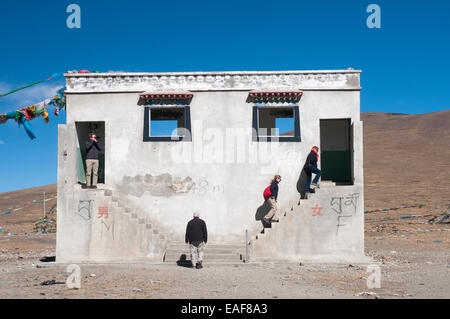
column 271, row 138
column 181, row 138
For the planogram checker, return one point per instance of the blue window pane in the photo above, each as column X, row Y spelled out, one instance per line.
column 163, row 128
column 285, row 125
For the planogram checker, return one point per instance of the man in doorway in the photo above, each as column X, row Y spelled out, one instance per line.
column 311, row 167
column 196, row 237
column 92, row 149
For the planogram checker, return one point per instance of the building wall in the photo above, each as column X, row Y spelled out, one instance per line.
column 171, row 180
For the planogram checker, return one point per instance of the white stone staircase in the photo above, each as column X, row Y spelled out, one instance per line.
column 137, row 236
column 285, row 213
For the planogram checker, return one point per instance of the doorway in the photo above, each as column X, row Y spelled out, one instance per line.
column 336, row 148
column 83, row 130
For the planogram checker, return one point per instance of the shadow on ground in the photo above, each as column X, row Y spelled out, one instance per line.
column 183, row 262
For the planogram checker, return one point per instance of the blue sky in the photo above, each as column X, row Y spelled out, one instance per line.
column 405, row 63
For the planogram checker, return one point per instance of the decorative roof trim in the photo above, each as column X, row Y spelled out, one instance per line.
column 213, row 81
column 212, row 73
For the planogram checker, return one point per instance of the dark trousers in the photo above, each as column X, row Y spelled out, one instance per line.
column 309, row 170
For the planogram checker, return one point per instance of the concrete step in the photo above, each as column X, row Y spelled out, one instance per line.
column 178, row 246
column 276, row 225
column 176, row 251
column 214, row 251
column 206, row 257
column 261, row 236
column 310, row 196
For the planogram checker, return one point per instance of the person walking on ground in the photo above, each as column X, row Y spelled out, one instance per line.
column 311, row 167
column 196, row 237
column 92, row 149
column 271, row 216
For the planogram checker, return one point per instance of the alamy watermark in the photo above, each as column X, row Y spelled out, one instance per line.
column 374, row 19
column 74, row 279
column 374, row 279
column 74, row 19
column 213, row 145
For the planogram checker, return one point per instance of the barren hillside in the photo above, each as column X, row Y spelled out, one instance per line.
column 406, row 158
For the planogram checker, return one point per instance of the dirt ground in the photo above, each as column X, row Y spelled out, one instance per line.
column 413, row 255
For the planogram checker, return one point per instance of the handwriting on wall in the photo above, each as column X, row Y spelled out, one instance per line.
column 316, row 210
column 344, row 207
column 107, row 228
column 84, row 209
column 107, row 225
column 164, row 185
column 103, row 212
column 203, row 188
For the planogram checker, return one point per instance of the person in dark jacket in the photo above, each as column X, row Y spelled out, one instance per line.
column 271, row 216
column 92, row 149
column 311, row 167
column 196, row 237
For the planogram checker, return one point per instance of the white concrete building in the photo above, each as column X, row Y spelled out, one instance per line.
column 176, row 143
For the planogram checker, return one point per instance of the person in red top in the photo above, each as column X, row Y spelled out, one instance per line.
column 272, row 216
column 311, row 167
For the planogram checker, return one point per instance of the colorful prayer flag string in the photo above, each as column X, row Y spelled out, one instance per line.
column 26, row 114
column 30, row 85
column 23, row 115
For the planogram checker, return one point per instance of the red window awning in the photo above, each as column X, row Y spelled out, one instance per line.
column 167, row 97
column 274, row 96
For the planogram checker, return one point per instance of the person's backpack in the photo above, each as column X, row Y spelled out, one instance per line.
column 267, row 193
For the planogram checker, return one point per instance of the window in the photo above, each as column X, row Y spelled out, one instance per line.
column 167, row 116
column 167, row 124
column 275, row 115
column 278, row 123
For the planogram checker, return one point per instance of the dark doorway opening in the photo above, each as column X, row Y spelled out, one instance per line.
column 336, row 147
column 83, row 130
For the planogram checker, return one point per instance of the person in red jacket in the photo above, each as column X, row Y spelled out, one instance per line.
column 311, row 167
column 271, row 216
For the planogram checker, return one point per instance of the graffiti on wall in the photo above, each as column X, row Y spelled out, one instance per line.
column 107, row 225
column 107, row 229
column 84, row 209
column 103, row 212
column 344, row 207
column 161, row 185
column 165, row 185
column 204, row 188
column 317, row 210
